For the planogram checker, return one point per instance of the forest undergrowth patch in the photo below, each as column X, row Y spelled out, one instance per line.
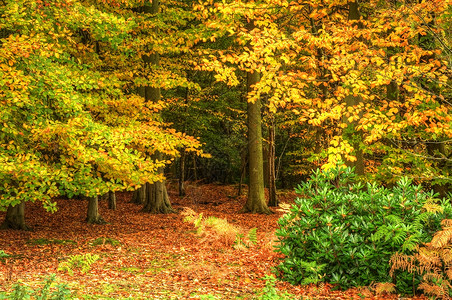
column 142, row 256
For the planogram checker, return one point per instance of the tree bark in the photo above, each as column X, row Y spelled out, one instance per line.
column 15, row 218
column 435, row 147
column 243, row 164
column 139, row 195
column 438, row 149
column 182, row 191
column 112, row 200
column 256, row 202
column 272, row 198
column 93, row 216
column 353, row 101
column 156, row 198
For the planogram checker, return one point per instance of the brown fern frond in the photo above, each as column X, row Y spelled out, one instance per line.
column 433, row 261
column 401, row 261
column 433, row 290
column 188, row 212
column 442, row 238
column 448, row 273
column 446, row 256
column 427, row 259
column 384, row 288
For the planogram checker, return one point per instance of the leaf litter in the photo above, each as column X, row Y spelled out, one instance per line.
column 145, row 256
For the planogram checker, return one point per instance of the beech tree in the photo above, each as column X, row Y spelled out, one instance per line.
column 68, row 126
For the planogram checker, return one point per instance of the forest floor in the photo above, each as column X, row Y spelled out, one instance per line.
column 143, row 256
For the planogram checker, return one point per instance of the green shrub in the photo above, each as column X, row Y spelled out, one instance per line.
column 351, row 229
column 48, row 291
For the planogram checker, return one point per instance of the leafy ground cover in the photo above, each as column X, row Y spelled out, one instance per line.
column 143, row 256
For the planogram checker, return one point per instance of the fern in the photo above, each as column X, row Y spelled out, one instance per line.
column 79, row 261
column 252, row 235
column 382, row 288
column 394, row 219
column 213, row 228
column 411, row 243
column 433, row 261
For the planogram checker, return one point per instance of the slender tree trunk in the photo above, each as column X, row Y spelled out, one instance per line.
column 438, row 149
column 15, row 218
column 195, row 169
column 272, row 198
column 112, row 200
column 355, row 137
column 182, row 191
column 256, row 202
column 139, row 195
column 244, row 162
column 435, row 147
column 353, row 102
column 93, row 216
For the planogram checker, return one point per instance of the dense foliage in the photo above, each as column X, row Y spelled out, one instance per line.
column 68, row 125
column 348, row 231
column 98, row 96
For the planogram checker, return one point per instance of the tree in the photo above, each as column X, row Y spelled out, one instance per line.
column 69, row 127
column 255, row 202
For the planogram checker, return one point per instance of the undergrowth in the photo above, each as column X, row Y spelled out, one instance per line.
column 82, row 262
column 433, row 261
column 47, row 290
column 217, row 229
column 344, row 232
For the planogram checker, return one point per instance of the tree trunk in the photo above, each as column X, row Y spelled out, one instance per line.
column 272, row 198
column 353, row 101
column 256, row 202
column 437, row 149
column 182, row 191
column 244, row 162
column 112, row 200
column 15, row 218
column 157, row 200
column 139, row 195
column 93, row 216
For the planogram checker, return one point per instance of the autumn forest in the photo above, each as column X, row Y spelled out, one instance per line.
column 274, row 149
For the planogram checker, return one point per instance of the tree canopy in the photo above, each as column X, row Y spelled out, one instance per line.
column 365, row 83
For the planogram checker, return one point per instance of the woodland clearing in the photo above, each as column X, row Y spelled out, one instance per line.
column 145, row 256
